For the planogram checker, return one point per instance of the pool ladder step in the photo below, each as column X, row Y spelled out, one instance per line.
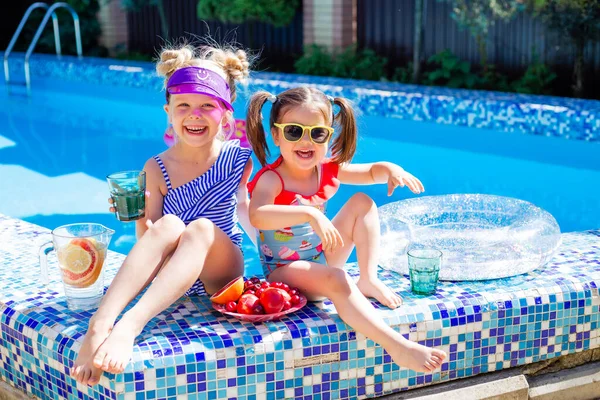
column 49, row 13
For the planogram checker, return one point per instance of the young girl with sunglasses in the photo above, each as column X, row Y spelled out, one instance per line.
column 298, row 244
column 197, row 189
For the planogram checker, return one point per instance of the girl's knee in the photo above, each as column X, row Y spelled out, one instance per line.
column 362, row 201
column 168, row 225
column 337, row 280
column 199, row 228
column 201, row 224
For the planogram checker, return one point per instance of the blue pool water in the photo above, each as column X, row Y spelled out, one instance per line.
column 57, row 146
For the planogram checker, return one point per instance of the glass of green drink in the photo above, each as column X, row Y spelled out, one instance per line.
column 424, row 268
column 127, row 190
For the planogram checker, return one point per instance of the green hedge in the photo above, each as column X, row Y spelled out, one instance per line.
column 441, row 69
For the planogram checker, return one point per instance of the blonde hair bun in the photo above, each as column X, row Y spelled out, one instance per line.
column 173, row 59
column 235, row 64
column 232, row 64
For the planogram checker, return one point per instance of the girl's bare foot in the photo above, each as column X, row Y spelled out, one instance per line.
column 114, row 354
column 377, row 289
column 83, row 369
column 416, row 357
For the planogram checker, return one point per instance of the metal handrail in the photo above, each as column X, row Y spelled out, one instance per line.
column 15, row 36
column 38, row 33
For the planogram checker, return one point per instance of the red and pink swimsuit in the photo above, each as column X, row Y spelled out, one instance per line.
column 300, row 242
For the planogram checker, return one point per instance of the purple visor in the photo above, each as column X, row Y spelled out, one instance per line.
column 200, row 81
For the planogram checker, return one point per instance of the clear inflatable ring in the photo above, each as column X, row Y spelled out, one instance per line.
column 480, row 236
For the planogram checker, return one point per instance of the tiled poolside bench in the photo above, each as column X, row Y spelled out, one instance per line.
column 193, row 352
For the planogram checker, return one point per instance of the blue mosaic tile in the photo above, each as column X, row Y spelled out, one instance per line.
column 569, row 118
column 190, row 351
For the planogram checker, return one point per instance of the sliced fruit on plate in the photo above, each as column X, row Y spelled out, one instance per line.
column 230, row 292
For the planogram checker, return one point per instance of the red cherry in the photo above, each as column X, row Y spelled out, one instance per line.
column 293, row 292
column 285, row 287
column 295, row 299
column 265, row 284
column 259, row 292
column 276, row 285
column 257, row 287
column 231, row 306
column 255, row 280
column 286, row 306
column 250, row 291
column 247, row 284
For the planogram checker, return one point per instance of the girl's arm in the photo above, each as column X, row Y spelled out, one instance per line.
column 379, row 172
column 154, row 197
column 244, row 202
column 264, row 214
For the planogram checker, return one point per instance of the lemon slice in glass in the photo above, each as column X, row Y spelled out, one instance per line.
column 75, row 258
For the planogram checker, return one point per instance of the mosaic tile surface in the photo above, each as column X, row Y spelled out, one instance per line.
column 538, row 115
column 192, row 352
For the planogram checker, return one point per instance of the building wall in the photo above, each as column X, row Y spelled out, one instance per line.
column 113, row 20
column 330, row 23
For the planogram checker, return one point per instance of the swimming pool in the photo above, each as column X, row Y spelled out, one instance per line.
column 57, row 146
column 86, row 119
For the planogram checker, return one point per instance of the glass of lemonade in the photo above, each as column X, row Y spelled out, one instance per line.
column 127, row 190
column 81, row 251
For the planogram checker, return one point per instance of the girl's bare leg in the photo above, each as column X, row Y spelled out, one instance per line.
column 317, row 281
column 358, row 223
column 201, row 241
column 139, row 268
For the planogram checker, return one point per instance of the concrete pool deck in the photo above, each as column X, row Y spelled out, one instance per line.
column 191, row 351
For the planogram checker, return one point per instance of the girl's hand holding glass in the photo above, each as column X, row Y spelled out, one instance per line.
column 399, row 177
column 112, row 209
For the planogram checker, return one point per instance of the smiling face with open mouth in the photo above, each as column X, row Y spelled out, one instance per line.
column 304, row 153
column 196, row 118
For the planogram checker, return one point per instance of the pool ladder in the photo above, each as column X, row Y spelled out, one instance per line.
column 49, row 13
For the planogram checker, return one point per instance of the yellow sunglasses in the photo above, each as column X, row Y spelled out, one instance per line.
column 292, row 132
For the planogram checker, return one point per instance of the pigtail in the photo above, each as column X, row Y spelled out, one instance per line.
column 344, row 145
column 255, row 131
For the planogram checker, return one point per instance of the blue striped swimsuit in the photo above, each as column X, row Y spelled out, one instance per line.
column 212, row 195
